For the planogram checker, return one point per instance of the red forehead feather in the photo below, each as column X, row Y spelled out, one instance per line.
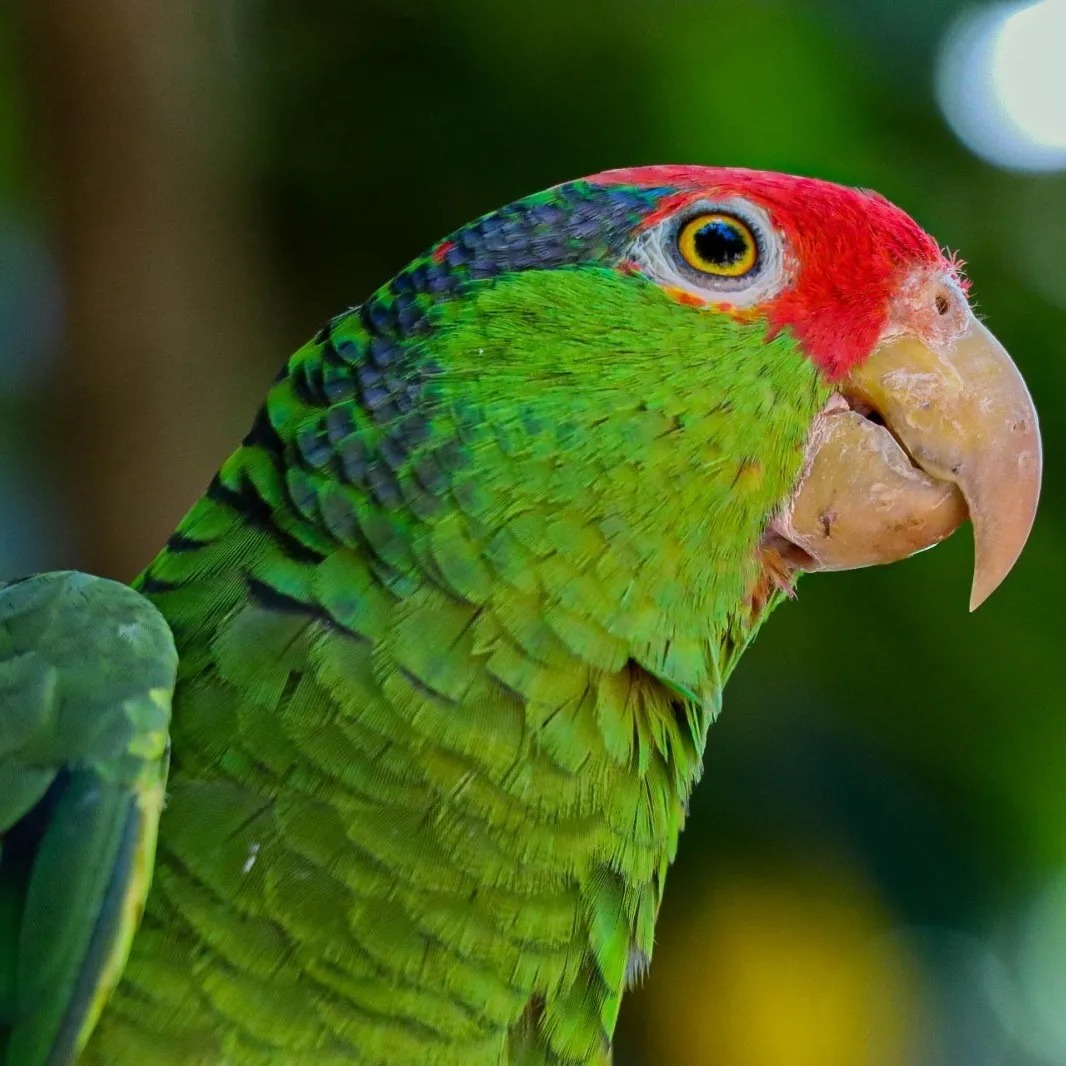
column 851, row 249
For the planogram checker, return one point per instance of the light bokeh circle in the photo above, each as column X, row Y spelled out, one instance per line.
column 1001, row 83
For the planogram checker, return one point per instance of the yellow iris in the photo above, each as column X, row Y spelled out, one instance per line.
column 718, row 244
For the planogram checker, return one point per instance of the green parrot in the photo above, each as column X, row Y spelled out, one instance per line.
column 415, row 696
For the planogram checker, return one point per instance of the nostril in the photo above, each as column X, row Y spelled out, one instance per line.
column 943, row 302
column 869, row 413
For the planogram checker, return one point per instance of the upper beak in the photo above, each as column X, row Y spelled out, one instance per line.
column 920, row 436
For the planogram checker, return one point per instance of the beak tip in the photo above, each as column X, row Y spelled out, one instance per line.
column 994, row 561
column 982, row 588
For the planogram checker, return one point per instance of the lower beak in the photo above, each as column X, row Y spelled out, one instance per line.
column 919, row 438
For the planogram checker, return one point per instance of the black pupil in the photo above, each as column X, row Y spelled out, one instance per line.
column 720, row 242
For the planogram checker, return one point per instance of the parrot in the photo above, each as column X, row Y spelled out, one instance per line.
column 384, row 758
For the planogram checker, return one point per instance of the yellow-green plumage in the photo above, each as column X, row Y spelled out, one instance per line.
column 453, row 623
column 426, row 790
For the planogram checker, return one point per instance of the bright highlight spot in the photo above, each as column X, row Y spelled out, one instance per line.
column 1001, row 83
column 792, row 968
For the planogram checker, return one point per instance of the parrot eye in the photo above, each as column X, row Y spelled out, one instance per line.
column 718, row 244
column 725, row 251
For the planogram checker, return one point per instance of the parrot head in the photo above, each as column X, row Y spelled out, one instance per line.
column 755, row 312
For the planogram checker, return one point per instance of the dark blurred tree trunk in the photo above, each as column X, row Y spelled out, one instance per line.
column 163, row 300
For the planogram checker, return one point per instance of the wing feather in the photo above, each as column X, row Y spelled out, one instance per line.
column 87, row 672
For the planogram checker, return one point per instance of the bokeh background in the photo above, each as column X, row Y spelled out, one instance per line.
column 875, row 867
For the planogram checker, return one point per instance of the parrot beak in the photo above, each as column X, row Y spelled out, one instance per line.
column 930, row 429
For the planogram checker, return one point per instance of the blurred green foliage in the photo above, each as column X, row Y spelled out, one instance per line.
column 877, row 739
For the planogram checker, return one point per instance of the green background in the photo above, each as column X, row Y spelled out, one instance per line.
column 873, row 870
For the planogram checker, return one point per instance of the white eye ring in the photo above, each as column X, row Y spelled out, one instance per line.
column 655, row 252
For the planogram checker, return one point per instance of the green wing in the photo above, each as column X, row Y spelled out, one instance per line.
column 86, row 676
